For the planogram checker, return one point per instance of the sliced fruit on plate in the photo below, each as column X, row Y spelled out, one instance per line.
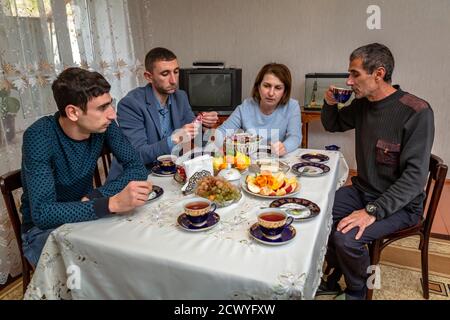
column 266, row 191
column 253, row 187
column 281, row 192
column 250, row 179
column 290, row 187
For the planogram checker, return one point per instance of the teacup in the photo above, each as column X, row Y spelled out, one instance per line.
column 273, row 221
column 198, row 209
column 167, row 162
column 342, row 95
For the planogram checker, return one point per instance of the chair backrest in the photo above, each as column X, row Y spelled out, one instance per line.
column 435, row 184
column 105, row 157
column 10, row 182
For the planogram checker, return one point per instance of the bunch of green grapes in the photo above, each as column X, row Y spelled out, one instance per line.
column 217, row 189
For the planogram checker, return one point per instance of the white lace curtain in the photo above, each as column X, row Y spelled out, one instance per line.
column 39, row 39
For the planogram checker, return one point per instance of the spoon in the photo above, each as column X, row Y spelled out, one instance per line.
column 291, row 211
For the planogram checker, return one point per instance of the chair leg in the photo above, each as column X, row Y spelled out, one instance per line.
column 374, row 252
column 25, row 274
column 425, row 283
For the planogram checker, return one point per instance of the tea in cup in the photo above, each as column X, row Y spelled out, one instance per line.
column 167, row 163
column 272, row 222
column 342, row 95
column 197, row 210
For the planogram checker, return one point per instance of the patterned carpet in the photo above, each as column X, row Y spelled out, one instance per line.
column 397, row 283
column 400, row 283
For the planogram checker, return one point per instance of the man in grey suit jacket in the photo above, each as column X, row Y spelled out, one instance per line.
column 158, row 116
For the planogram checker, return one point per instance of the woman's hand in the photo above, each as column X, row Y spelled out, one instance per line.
column 278, row 148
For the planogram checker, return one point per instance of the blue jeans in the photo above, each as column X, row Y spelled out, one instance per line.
column 33, row 242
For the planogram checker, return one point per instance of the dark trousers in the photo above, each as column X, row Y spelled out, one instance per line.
column 349, row 255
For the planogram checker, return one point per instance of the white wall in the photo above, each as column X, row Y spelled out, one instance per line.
column 308, row 36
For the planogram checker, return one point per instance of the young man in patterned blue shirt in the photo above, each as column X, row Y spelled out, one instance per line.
column 59, row 156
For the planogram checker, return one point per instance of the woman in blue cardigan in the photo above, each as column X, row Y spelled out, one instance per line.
column 270, row 112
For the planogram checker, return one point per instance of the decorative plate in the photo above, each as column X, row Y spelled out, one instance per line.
column 281, row 165
column 211, row 222
column 155, row 194
column 315, row 157
column 298, row 208
column 194, row 179
column 310, row 169
column 287, row 235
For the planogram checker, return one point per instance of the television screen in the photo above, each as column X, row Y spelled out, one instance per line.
column 212, row 89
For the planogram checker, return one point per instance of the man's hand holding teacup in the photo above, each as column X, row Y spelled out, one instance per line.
column 329, row 97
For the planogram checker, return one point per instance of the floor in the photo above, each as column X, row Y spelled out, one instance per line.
column 441, row 224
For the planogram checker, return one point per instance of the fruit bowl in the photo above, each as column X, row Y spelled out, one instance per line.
column 218, row 190
column 245, row 143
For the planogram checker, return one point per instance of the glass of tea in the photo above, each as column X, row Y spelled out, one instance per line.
column 272, row 222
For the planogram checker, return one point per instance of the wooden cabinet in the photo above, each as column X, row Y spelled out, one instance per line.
column 307, row 117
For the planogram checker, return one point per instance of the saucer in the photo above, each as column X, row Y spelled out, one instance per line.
column 211, row 222
column 155, row 194
column 297, row 208
column 315, row 157
column 157, row 171
column 310, row 169
column 286, row 235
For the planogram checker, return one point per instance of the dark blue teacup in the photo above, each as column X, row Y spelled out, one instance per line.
column 167, row 163
column 342, row 95
column 272, row 222
column 197, row 210
column 332, row 147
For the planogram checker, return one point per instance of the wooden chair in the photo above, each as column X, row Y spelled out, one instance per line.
column 8, row 183
column 105, row 158
column 435, row 184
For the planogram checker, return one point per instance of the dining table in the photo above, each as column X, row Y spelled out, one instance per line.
column 146, row 254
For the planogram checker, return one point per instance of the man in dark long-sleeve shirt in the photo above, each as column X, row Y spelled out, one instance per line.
column 394, row 132
column 59, row 156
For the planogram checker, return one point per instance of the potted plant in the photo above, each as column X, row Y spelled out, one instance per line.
column 9, row 106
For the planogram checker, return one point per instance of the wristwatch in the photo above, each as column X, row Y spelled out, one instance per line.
column 371, row 208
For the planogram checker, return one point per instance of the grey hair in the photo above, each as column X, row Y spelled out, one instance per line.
column 373, row 56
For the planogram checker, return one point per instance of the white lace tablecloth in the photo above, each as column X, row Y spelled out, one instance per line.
column 145, row 255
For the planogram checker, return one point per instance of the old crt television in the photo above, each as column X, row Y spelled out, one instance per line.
column 210, row 89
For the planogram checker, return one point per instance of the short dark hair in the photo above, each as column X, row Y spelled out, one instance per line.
column 281, row 72
column 78, row 86
column 373, row 56
column 158, row 54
